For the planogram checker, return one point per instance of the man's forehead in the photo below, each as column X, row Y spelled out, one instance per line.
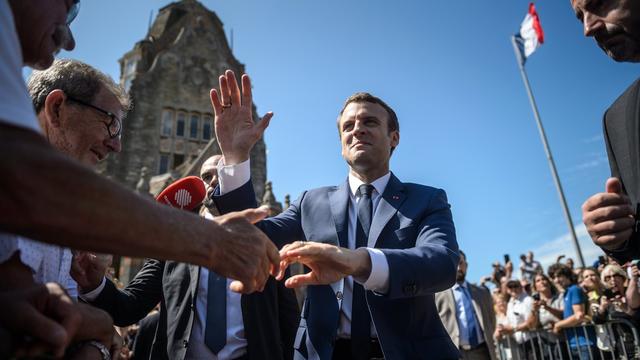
column 364, row 109
column 210, row 164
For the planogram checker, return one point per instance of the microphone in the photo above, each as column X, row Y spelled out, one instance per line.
column 186, row 193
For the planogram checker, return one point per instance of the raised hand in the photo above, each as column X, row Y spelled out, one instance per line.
column 609, row 217
column 235, row 130
column 328, row 263
column 245, row 254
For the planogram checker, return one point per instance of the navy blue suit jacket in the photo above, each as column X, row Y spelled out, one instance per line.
column 412, row 226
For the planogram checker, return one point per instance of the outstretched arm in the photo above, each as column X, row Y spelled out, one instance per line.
column 51, row 198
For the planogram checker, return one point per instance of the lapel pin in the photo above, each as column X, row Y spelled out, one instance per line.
column 395, row 197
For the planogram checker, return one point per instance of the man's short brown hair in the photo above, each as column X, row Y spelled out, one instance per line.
column 360, row 97
column 75, row 79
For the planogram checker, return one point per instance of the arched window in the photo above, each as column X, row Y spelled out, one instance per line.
column 163, row 164
column 167, row 123
column 207, row 124
column 180, row 124
column 193, row 126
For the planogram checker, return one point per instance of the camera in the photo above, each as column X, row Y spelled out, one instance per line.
column 536, row 297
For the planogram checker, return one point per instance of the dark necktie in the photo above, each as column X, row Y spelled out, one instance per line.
column 360, row 318
column 215, row 334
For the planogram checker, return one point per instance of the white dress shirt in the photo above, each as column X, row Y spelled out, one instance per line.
column 236, row 344
column 518, row 311
column 49, row 263
column 232, row 177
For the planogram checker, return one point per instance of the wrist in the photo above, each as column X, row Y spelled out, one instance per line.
column 361, row 264
column 235, row 158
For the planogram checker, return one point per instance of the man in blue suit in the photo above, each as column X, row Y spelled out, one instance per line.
column 377, row 248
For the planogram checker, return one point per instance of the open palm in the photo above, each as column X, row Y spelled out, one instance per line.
column 235, row 129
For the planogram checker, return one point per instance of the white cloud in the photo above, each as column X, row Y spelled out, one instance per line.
column 547, row 253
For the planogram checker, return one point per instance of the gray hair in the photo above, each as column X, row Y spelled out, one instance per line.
column 76, row 79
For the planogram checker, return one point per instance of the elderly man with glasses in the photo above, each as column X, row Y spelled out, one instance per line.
column 63, row 97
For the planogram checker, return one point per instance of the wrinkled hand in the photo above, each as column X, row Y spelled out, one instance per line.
column 245, row 253
column 328, row 263
column 234, row 127
column 609, row 217
column 43, row 314
column 88, row 269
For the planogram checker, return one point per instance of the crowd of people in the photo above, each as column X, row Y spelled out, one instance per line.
column 559, row 312
column 384, row 279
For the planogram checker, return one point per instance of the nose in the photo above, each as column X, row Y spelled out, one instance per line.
column 591, row 23
column 69, row 42
column 114, row 145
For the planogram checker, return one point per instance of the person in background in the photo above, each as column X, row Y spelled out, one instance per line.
column 574, row 314
column 529, row 267
column 547, row 310
column 519, row 313
column 466, row 311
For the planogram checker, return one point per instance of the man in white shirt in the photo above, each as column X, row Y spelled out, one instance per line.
column 378, row 249
column 519, row 312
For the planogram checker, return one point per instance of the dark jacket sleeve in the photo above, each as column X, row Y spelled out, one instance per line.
column 289, row 318
column 133, row 303
column 281, row 229
column 631, row 250
column 435, row 252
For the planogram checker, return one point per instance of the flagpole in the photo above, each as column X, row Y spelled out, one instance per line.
column 547, row 150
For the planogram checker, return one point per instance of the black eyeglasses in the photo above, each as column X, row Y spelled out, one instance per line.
column 74, row 9
column 114, row 127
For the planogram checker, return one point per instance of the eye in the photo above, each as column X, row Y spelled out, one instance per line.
column 347, row 126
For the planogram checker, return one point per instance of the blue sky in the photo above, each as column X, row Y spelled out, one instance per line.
column 448, row 69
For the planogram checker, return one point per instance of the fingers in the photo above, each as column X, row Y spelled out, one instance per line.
column 274, row 259
column 300, row 280
column 234, row 91
column 225, row 92
column 609, row 213
column 215, row 102
column 605, row 199
column 613, row 185
column 264, row 122
column 255, row 215
column 247, row 96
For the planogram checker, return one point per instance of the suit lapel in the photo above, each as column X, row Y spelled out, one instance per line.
column 339, row 203
column 476, row 306
column 194, row 271
column 391, row 201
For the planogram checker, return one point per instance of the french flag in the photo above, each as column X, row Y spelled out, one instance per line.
column 530, row 36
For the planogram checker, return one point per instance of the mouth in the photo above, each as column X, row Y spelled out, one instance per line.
column 360, row 144
column 99, row 155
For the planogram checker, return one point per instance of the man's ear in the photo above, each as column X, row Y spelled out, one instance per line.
column 53, row 107
column 395, row 138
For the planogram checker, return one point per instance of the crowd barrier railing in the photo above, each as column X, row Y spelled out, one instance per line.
column 615, row 339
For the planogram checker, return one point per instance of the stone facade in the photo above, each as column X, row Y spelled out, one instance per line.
column 169, row 132
column 169, row 75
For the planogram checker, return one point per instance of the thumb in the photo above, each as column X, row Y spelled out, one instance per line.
column 255, row 215
column 613, row 186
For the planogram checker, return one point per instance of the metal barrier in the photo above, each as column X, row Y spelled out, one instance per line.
column 616, row 339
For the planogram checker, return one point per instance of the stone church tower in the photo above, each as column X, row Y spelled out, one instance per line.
column 169, row 75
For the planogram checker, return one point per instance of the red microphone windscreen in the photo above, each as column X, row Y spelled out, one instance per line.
column 186, row 193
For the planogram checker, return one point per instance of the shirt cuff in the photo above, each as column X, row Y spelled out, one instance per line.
column 231, row 177
column 378, row 280
column 93, row 294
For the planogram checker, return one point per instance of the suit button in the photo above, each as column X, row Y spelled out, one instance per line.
column 339, row 295
column 185, row 343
